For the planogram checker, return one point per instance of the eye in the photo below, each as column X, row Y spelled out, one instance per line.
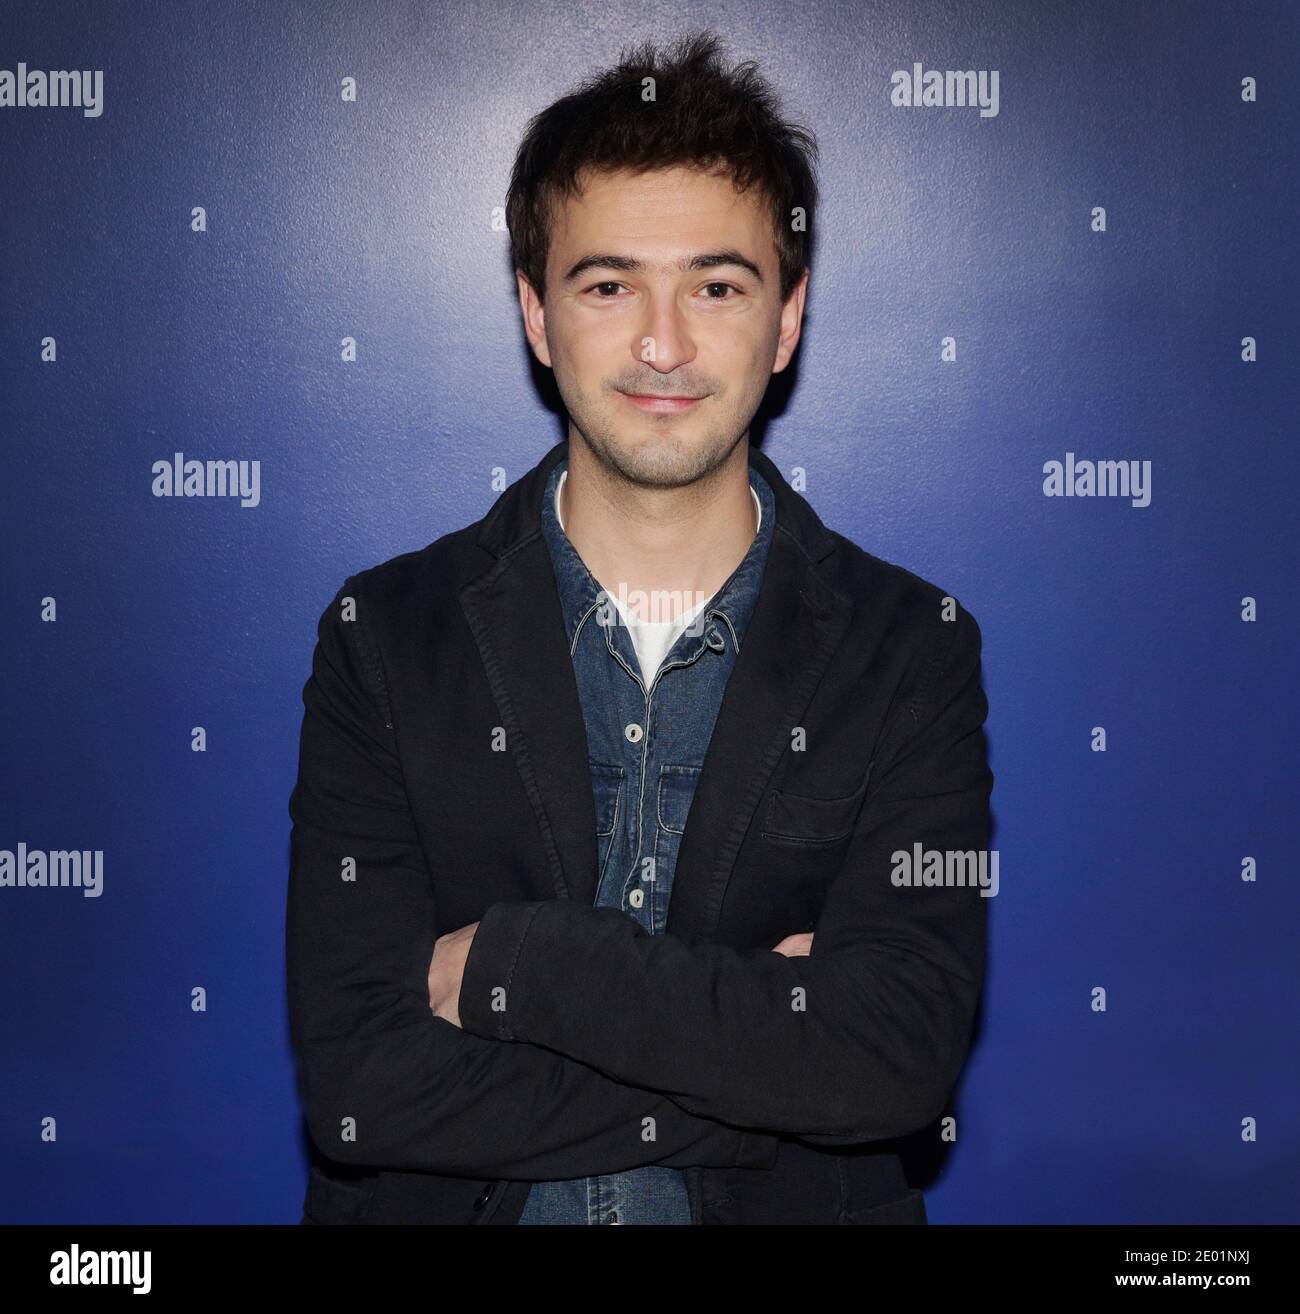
column 596, row 286
column 726, row 286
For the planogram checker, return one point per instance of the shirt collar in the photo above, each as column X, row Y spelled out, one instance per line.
column 580, row 594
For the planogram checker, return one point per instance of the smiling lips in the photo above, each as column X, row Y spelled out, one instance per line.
column 661, row 405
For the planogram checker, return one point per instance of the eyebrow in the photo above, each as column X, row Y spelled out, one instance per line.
column 629, row 265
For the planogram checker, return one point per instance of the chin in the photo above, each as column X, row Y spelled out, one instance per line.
column 659, row 460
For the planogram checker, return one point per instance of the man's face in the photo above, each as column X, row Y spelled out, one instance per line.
column 627, row 317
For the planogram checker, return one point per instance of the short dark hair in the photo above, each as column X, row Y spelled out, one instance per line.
column 702, row 116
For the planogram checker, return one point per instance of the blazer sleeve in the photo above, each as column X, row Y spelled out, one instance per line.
column 860, row 1040
column 386, row 1083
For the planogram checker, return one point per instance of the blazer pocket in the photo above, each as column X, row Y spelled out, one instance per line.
column 909, row 1208
column 798, row 819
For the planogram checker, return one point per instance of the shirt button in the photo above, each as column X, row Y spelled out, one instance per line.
column 633, row 733
column 636, row 898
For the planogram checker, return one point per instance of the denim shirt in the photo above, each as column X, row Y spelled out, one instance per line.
column 645, row 752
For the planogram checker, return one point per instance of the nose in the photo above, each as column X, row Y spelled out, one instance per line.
column 664, row 342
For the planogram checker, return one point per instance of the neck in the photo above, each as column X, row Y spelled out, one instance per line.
column 660, row 549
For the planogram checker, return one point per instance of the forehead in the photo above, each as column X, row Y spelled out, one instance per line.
column 664, row 209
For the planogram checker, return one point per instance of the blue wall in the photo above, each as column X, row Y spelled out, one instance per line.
column 1119, row 869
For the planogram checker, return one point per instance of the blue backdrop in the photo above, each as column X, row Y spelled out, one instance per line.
column 1105, row 267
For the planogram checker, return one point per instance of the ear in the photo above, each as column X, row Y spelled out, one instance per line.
column 791, row 324
column 534, row 314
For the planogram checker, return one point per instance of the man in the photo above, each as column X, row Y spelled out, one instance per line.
column 569, row 776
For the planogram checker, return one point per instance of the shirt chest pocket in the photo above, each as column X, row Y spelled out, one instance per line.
column 673, row 798
column 607, row 794
column 676, row 793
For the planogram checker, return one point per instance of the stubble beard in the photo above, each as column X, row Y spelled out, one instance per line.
column 658, row 456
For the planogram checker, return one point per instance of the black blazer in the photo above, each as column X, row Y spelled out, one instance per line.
column 443, row 780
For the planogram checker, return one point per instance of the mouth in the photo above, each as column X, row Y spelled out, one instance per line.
column 662, row 405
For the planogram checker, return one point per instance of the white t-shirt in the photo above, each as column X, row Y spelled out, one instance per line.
column 652, row 640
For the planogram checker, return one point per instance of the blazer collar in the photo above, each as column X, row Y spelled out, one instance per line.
column 513, row 609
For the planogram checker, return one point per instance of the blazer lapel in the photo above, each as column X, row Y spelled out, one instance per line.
column 514, row 613
column 797, row 624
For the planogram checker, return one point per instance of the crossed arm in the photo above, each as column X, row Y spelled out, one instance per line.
column 450, row 952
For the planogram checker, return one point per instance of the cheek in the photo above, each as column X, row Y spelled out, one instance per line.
column 572, row 371
column 747, row 354
column 585, row 359
column 748, row 379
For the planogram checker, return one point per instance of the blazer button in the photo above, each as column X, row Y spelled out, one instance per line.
column 486, row 1196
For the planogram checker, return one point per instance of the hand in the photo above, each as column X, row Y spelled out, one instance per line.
column 446, row 969
column 795, row 946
